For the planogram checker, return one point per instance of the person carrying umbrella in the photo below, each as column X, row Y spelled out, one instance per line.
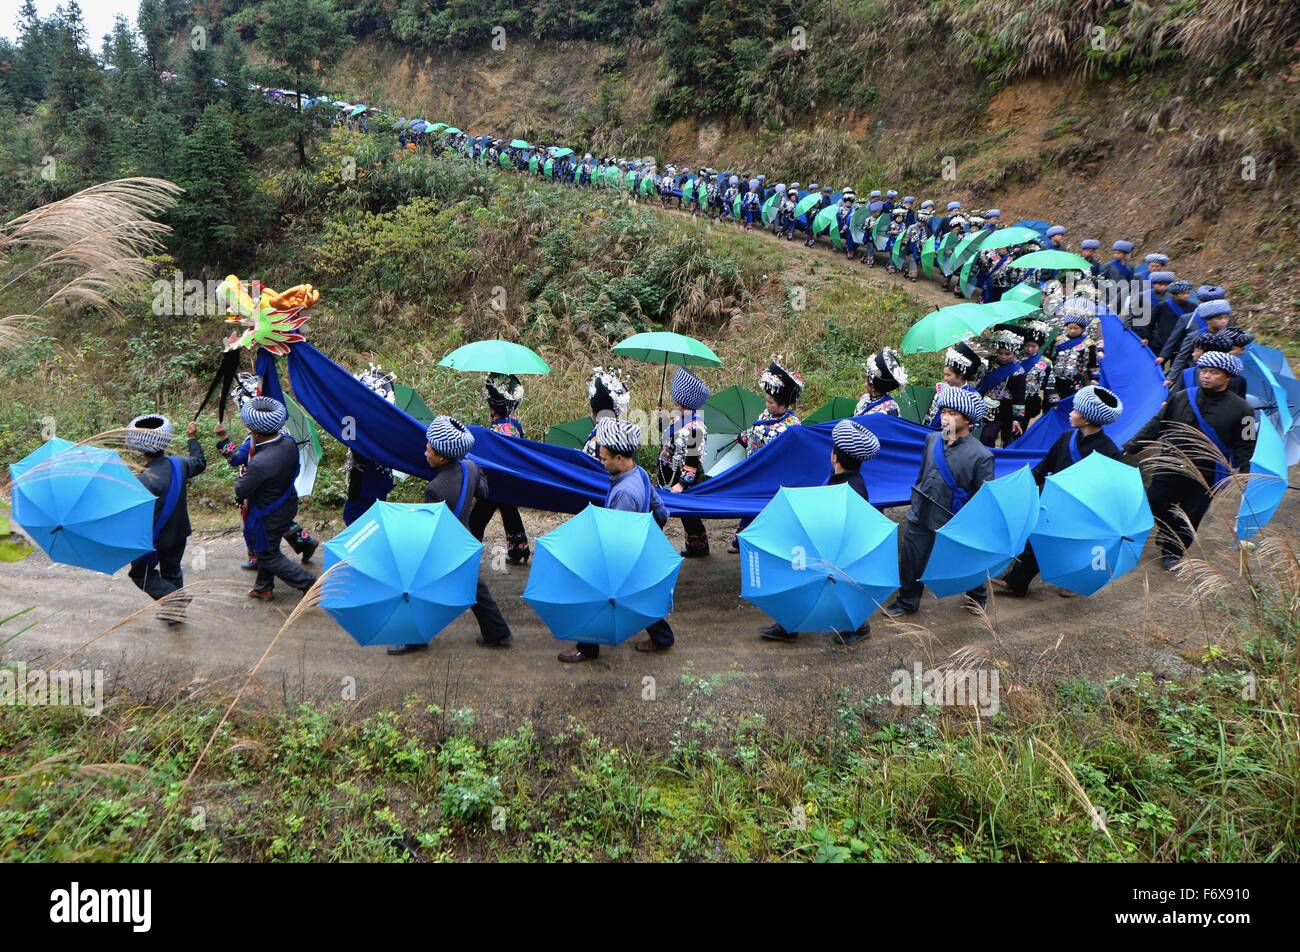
column 1003, row 389
column 750, row 205
column 1040, row 378
column 917, row 231
column 1209, row 411
column 1075, row 355
column 159, row 573
column 781, row 389
column 458, row 482
column 1094, row 408
column 608, row 397
column 503, row 393
column 823, row 202
column 843, row 221
column 630, row 491
column 961, row 365
column 852, row 444
column 785, row 217
column 885, row 374
column 954, row 465
column 266, row 486
column 685, row 441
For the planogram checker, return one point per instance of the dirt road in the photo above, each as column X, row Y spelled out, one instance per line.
column 719, row 663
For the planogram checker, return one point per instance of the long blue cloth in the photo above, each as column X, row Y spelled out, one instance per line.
column 536, row 475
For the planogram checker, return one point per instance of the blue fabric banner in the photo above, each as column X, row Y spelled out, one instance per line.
column 536, row 475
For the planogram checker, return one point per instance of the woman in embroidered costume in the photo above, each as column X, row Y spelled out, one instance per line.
column 781, row 389
column 503, row 393
column 685, row 441
column 885, row 374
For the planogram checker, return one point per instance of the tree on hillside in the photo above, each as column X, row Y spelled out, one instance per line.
column 151, row 20
column 74, row 72
column 194, row 84
column 129, row 84
column 26, row 77
column 304, row 39
column 221, row 215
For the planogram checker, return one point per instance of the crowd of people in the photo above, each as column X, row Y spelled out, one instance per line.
column 992, row 389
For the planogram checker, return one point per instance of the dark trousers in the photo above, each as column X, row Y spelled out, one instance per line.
column 1024, row 571
column 918, row 542
column 661, row 633
column 272, row 564
column 995, row 428
column 164, row 578
column 482, row 514
column 1167, row 492
column 491, row 623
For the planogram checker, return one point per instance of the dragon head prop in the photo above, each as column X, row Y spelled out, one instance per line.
column 273, row 321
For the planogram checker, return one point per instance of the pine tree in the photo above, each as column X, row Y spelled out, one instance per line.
column 304, row 38
column 74, row 74
column 195, row 85
column 29, row 74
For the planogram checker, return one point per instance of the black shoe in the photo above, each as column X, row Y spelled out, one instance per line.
column 690, row 553
column 308, row 550
column 1006, row 588
column 1169, row 562
column 493, row 642
column 895, row 610
column 777, row 633
column 853, row 637
column 406, row 649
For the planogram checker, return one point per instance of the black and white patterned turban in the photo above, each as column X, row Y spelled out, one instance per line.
column 1098, row 405
column 1217, row 360
column 855, row 440
column 150, row 433
column 966, row 402
column 618, row 436
column 449, row 437
column 264, row 415
column 689, row 390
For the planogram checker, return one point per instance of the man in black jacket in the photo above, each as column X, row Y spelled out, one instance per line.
column 458, row 482
column 1094, row 407
column 267, row 486
column 159, row 573
column 1209, row 413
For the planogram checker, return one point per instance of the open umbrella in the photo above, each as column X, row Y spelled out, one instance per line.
column 858, row 223
column 727, row 414
column 407, row 571
column 836, row 408
column 602, row 576
column 572, row 434
column 520, row 144
column 1263, row 384
column 82, row 506
column 667, row 348
column 819, row 558
column 1029, row 293
column 451, row 131
column 496, row 357
column 770, row 208
column 1053, row 259
column 1092, row 524
column 1005, row 310
column 985, row 535
column 1266, row 484
column 946, row 326
column 927, row 255
column 405, row 398
column 356, row 111
column 914, row 402
column 805, row 203
column 966, row 249
column 303, row 430
column 945, row 249
column 1006, row 237
column 880, row 232
column 827, row 223
column 549, row 168
column 561, row 153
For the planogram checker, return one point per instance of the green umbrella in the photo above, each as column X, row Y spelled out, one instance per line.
column 927, row 256
column 727, row 414
column 629, row 180
column 1053, row 258
column 504, row 160
column 495, row 356
column 858, row 222
column 735, row 208
column 647, row 186
column 770, row 208
column 405, row 398
column 520, row 144
column 944, row 252
column 532, row 165
column 451, row 131
column 702, row 192
column 826, row 222
column 896, row 252
column 356, row 111
column 836, row 408
column 561, row 153
column 807, row 202
column 1024, row 292
column 613, row 175
column 1006, row 310
column 965, row 282
column 879, row 231
column 549, row 168
column 1006, row 237
column 667, row 347
column 435, row 126
column 946, row 326
column 572, row 434
column 966, row 249
column 914, row 401
column 303, row 430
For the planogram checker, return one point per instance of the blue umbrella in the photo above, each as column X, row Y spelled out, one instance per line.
column 1094, row 520
column 985, row 536
column 819, row 558
column 602, row 576
column 83, row 506
column 1266, row 485
column 407, row 570
column 1263, row 384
